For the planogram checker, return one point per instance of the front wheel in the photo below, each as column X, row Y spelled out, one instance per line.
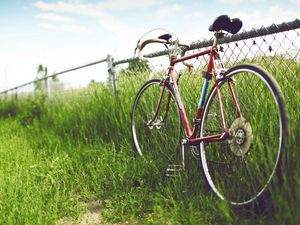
column 156, row 131
column 240, row 169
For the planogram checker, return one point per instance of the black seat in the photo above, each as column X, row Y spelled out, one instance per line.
column 224, row 22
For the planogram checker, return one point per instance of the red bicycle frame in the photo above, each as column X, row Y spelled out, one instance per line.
column 191, row 134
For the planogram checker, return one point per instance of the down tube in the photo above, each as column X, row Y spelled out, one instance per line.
column 183, row 115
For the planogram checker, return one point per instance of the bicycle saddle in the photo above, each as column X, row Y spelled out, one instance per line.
column 225, row 23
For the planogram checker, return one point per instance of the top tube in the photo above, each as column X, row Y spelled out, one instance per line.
column 195, row 55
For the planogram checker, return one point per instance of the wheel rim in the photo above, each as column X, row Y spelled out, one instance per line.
column 240, row 177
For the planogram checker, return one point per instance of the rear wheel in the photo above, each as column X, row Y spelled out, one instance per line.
column 240, row 169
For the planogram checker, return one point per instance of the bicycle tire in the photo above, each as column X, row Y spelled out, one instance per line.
column 159, row 143
column 255, row 148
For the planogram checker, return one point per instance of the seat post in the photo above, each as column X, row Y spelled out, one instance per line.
column 217, row 36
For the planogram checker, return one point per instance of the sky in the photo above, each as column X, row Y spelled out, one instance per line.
column 61, row 34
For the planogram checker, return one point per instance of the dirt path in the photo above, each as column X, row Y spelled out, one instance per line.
column 92, row 216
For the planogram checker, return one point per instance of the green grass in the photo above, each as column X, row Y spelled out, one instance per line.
column 76, row 147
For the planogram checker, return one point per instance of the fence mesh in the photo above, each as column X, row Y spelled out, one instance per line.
column 275, row 49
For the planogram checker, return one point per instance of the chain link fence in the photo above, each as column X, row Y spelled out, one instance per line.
column 275, row 48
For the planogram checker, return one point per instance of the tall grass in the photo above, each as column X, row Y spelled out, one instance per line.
column 76, row 146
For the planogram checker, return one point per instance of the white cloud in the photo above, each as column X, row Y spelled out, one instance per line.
column 123, row 36
column 279, row 15
column 169, row 10
column 297, row 2
column 236, row 2
column 194, row 15
column 54, row 17
column 73, row 28
column 97, row 10
column 273, row 14
column 71, row 7
column 127, row 4
column 48, row 26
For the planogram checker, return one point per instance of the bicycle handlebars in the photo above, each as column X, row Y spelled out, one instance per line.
column 141, row 46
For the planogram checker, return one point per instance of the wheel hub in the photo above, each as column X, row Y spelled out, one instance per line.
column 241, row 137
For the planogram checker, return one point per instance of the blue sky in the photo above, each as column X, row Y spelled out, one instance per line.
column 66, row 33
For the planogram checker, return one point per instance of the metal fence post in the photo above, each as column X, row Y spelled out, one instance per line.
column 15, row 96
column 47, row 86
column 112, row 72
column 49, row 83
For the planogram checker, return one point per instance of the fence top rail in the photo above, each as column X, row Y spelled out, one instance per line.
column 53, row 75
column 236, row 37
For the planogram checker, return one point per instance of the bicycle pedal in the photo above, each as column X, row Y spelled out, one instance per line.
column 172, row 170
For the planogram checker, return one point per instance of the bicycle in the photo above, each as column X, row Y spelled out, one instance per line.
column 239, row 129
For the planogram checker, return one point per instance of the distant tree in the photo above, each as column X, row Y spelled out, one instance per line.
column 55, row 78
column 138, row 66
column 35, row 105
column 92, row 82
column 135, row 67
column 95, row 84
column 42, row 72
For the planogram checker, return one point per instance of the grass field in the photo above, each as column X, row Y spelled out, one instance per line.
column 76, row 147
